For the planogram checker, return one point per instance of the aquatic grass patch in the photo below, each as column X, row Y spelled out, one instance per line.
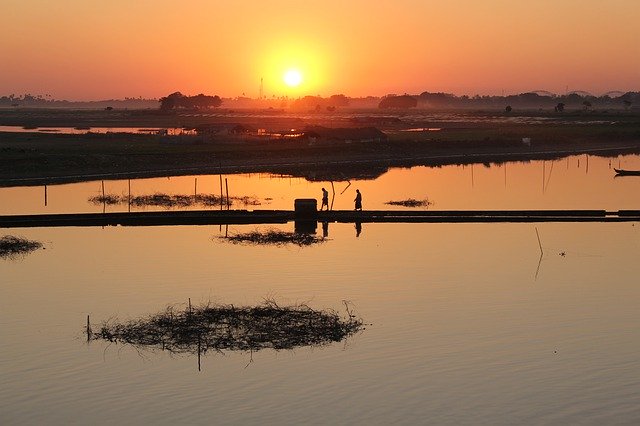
column 198, row 329
column 11, row 246
column 411, row 203
column 274, row 237
column 108, row 199
column 170, row 201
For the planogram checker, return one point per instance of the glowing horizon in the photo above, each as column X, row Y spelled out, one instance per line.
column 79, row 51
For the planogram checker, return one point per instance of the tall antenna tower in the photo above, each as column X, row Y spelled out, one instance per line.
column 261, row 88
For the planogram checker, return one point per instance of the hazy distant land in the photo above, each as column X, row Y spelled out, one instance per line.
column 321, row 144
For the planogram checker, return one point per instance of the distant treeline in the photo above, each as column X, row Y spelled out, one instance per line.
column 440, row 100
column 524, row 100
column 425, row 100
column 46, row 101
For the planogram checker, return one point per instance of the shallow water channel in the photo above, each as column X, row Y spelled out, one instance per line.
column 577, row 182
column 467, row 323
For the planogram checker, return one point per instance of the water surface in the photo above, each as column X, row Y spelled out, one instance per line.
column 577, row 182
column 466, row 326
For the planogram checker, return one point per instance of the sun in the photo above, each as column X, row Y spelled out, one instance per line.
column 292, row 78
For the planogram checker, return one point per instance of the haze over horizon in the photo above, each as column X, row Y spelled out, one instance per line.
column 77, row 50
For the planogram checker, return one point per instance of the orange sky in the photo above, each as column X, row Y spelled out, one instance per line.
column 78, row 49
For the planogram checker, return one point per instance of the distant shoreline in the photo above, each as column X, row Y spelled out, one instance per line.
column 28, row 159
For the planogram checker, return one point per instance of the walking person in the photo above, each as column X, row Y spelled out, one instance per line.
column 325, row 199
column 358, row 200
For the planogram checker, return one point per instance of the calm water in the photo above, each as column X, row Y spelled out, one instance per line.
column 85, row 130
column 579, row 182
column 467, row 324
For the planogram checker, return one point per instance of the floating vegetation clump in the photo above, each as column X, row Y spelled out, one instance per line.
column 105, row 199
column 274, row 237
column 11, row 246
column 410, row 203
column 165, row 200
column 169, row 201
column 227, row 327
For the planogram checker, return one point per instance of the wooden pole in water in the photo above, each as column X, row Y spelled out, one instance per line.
column 129, row 198
column 221, row 196
column 199, row 350
column 505, row 175
column 88, row 329
column 226, row 184
column 539, row 243
column 587, row 171
column 333, row 196
column 472, row 176
column 195, row 187
column 45, row 195
column 104, row 201
column 189, row 306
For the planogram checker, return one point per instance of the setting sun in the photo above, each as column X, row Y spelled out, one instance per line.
column 292, row 78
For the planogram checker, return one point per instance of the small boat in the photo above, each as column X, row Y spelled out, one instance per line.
column 621, row 172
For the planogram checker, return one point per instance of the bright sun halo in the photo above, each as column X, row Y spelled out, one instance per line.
column 292, row 78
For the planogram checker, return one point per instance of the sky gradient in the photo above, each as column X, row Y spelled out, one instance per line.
column 81, row 50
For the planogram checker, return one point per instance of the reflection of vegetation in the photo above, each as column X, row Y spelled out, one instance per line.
column 274, row 237
column 166, row 200
column 227, row 327
column 11, row 246
column 410, row 203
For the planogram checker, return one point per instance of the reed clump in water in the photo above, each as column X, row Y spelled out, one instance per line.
column 108, row 199
column 11, row 246
column 411, row 203
column 227, row 327
column 274, row 237
column 169, row 201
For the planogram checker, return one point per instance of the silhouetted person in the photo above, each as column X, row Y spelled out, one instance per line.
column 358, row 229
column 358, row 200
column 325, row 229
column 325, row 199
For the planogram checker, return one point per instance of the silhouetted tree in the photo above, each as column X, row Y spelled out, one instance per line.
column 559, row 107
column 508, row 109
column 339, row 101
column 171, row 102
column 587, row 105
column 203, row 101
column 178, row 100
column 402, row 102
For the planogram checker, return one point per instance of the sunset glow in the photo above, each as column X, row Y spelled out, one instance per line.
column 120, row 49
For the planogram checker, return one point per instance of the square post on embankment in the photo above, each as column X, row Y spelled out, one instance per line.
column 306, row 215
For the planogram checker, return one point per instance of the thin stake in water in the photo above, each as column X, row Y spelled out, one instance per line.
column 221, row 196
column 226, row 184
column 539, row 243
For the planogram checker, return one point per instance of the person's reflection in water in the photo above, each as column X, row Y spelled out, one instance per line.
column 358, row 229
column 325, row 229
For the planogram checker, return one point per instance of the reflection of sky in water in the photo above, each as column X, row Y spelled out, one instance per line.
column 461, row 329
column 85, row 130
column 579, row 182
